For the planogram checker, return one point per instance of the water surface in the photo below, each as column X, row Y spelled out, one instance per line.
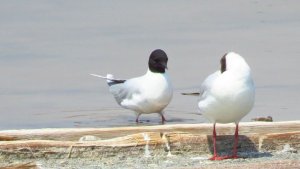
column 48, row 48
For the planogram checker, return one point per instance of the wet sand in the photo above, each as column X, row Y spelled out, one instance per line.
column 49, row 48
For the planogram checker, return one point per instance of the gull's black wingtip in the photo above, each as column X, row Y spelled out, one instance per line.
column 191, row 94
column 114, row 82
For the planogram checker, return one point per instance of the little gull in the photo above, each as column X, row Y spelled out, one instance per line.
column 146, row 94
column 227, row 95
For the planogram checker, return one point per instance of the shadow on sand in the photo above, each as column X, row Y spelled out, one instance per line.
column 247, row 147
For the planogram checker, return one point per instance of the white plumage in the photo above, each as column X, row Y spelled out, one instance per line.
column 227, row 95
column 149, row 93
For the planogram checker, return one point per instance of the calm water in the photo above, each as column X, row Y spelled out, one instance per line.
column 48, row 48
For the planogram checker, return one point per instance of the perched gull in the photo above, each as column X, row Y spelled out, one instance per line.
column 149, row 93
column 227, row 95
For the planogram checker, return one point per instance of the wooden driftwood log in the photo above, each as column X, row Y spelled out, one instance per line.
column 162, row 139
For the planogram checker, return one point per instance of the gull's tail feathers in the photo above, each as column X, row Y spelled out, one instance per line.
column 109, row 79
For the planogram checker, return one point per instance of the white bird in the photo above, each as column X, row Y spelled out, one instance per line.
column 149, row 93
column 227, row 95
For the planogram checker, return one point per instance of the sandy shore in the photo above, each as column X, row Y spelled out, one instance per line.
column 262, row 144
column 255, row 160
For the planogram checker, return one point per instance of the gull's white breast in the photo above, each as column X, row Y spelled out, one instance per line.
column 228, row 97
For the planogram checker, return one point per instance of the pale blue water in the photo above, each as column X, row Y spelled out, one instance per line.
column 48, row 48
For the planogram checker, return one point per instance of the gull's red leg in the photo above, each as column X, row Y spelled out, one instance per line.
column 137, row 118
column 214, row 141
column 163, row 119
column 215, row 156
column 236, row 141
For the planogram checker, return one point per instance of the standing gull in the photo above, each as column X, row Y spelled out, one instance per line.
column 146, row 94
column 227, row 95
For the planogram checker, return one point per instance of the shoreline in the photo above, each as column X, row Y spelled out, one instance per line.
column 128, row 146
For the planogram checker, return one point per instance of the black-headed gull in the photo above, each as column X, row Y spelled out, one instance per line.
column 227, row 95
column 149, row 93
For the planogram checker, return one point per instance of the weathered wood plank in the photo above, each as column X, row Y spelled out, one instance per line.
column 73, row 134
column 135, row 144
column 178, row 139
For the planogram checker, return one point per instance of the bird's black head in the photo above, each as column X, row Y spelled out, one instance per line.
column 158, row 61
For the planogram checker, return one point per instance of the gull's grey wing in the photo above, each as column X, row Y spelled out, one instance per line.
column 119, row 88
column 122, row 91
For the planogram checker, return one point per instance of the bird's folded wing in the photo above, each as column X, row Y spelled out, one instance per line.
column 207, row 84
column 124, row 92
